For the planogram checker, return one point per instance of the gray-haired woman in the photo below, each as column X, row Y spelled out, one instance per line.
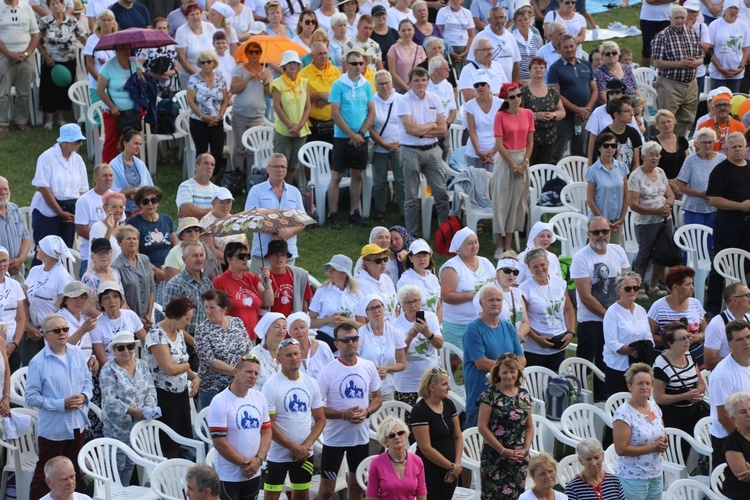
column 593, row 483
column 693, row 180
column 423, row 339
column 737, row 447
column 338, row 39
column 651, row 198
column 625, row 322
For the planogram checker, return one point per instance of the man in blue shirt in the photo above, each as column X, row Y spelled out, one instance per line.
column 353, row 112
column 486, row 338
column 129, row 14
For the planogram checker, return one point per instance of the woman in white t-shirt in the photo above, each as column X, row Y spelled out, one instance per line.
column 336, row 300
column 457, row 24
column 372, row 278
column 730, row 37
column 242, row 18
column 639, row 439
column 76, row 305
column 105, row 25
column 543, row 470
column 480, row 121
column 381, row 343
column 12, row 311
column 551, row 314
column 192, row 38
column 113, row 320
column 575, row 24
column 541, row 235
column 420, row 273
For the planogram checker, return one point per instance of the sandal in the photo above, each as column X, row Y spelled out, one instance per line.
column 480, row 228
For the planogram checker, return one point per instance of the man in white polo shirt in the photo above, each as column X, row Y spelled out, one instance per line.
column 504, row 47
column 241, row 432
column 194, row 196
column 89, row 209
column 483, row 62
column 422, row 124
column 297, row 419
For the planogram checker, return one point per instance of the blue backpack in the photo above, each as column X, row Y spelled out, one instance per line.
column 561, row 392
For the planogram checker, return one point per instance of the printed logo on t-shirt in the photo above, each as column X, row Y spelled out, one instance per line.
column 155, row 237
column 297, row 400
column 603, row 285
column 352, row 387
column 248, row 417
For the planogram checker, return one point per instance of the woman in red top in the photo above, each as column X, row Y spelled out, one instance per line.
column 514, row 140
column 245, row 290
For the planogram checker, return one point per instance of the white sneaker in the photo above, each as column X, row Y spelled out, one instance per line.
column 642, row 295
column 657, row 292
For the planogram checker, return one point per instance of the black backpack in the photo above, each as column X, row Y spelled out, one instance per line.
column 561, row 392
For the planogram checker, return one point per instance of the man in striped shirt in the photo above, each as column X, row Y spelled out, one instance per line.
column 14, row 235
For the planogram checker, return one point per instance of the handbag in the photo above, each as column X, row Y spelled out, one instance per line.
column 701, row 408
column 234, row 181
column 665, row 252
column 130, row 118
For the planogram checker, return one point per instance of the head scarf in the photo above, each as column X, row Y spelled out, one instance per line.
column 459, row 238
column 377, row 230
column 362, row 306
column 265, row 323
column 55, row 247
column 405, row 235
column 535, row 230
column 507, row 87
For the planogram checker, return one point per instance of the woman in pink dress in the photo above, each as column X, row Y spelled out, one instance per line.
column 403, row 56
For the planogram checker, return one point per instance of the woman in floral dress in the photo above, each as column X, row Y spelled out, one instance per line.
column 506, row 426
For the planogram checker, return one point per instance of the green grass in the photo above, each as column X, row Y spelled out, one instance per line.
column 628, row 16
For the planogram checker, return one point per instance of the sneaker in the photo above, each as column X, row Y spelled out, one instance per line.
column 642, row 295
column 356, row 219
column 498, row 252
column 48, row 126
column 657, row 292
column 633, row 31
column 616, row 26
column 333, row 220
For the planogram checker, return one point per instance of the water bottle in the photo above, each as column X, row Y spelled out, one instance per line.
column 577, row 129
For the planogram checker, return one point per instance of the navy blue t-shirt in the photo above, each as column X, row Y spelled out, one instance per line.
column 573, row 80
column 156, row 237
column 135, row 17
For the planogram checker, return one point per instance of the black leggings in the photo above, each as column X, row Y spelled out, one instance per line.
column 205, row 137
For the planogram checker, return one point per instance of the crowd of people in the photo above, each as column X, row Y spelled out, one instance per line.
column 163, row 311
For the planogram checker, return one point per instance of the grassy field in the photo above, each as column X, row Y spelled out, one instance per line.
column 19, row 152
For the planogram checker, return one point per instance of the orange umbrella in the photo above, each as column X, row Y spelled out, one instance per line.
column 273, row 47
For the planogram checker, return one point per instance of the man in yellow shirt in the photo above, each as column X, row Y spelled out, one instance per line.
column 320, row 74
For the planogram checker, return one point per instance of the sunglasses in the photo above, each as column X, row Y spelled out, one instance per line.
column 380, row 260
column 356, row 63
column 437, row 369
column 507, row 355
column 633, row 288
column 308, row 22
column 57, row 331
column 129, row 347
column 609, row 145
column 597, row 232
column 247, row 357
column 150, row 201
column 346, row 340
column 254, row 52
column 287, row 342
column 614, row 91
column 513, row 97
column 393, row 435
column 192, row 230
column 607, row 54
column 510, row 270
column 205, row 61
column 242, row 256
column 480, row 84
column 682, row 339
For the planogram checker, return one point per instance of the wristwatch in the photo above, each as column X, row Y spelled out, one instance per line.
column 359, row 132
column 275, row 232
column 25, row 54
column 261, row 461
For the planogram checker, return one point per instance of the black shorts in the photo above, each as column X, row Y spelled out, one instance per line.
column 347, row 156
column 330, row 463
column 300, row 475
column 241, row 490
column 649, row 29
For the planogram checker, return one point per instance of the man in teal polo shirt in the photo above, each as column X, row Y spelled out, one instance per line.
column 353, row 112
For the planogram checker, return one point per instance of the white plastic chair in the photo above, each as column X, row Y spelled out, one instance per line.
column 181, row 99
column 22, row 457
column 182, row 126
column 472, row 455
column 211, row 457
column 610, row 459
column 717, row 478
column 730, row 264
column 702, row 432
column 472, row 216
column 151, row 141
column 676, row 464
column 95, row 122
column 396, row 409
column 81, row 73
column 18, row 387
column 645, row 75
column 545, row 435
column 573, row 196
column 690, row 489
column 79, row 95
column 458, row 402
column 145, row 440
column 582, row 420
column 693, row 240
column 579, row 368
column 614, row 402
column 98, row 460
column 629, row 241
column 575, row 166
column 445, row 364
column 678, row 215
column 316, row 155
column 168, row 478
column 650, row 107
column 456, row 133
column 201, row 430
column 538, row 176
column 259, row 141
column 363, row 472
column 571, row 229
column 536, row 379
column 567, row 469
column 227, row 124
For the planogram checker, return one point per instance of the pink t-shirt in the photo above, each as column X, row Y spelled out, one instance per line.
column 384, row 484
column 514, row 129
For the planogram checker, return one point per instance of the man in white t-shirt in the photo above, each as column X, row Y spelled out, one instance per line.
column 504, row 47
column 297, row 419
column 194, row 195
column 594, row 269
column 60, row 476
column 483, row 62
column 730, row 376
column 351, row 388
column 715, row 346
column 89, row 209
column 240, row 431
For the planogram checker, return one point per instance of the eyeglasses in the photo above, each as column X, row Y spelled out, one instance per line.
column 629, row 289
column 393, row 435
column 57, row 331
column 150, row 201
column 346, row 340
column 682, row 339
column 507, row 355
column 308, row 22
column 609, row 145
column 254, row 52
column 513, row 97
column 744, row 295
column 480, row 84
column 383, row 83
column 242, row 256
column 510, row 270
column 205, row 61
column 607, row 54
column 129, row 347
column 278, row 166
column 103, row 252
column 568, row 3
column 356, row 63
column 374, row 308
column 722, row 105
column 413, row 302
column 706, row 143
column 287, row 342
column 597, row 232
